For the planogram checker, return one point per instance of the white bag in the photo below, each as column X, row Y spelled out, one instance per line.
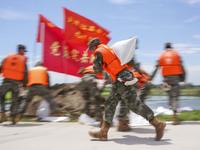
column 43, row 110
column 125, row 49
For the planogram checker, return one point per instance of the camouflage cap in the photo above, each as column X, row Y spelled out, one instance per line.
column 39, row 63
column 168, row 45
column 20, row 46
column 93, row 42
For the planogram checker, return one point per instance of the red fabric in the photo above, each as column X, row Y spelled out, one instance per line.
column 43, row 20
column 52, row 49
column 66, row 58
column 80, row 30
column 70, row 55
column 76, row 57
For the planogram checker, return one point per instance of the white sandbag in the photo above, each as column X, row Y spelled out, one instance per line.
column 43, row 110
column 87, row 120
column 55, row 119
column 125, row 49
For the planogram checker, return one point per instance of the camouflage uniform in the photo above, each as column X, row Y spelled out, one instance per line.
column 144, row 91
column 173, row 81
column 120, row 91
column 13, row 86
column 91, row 94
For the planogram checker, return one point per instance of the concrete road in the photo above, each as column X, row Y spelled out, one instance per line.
column 74, row 136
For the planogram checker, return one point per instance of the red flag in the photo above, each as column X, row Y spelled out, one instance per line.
column 44, row 20
column 76, row 57
column 80, row 30
column 63, row 57
column 52, row 49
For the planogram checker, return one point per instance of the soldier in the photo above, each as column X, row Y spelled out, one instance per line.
column 173, row 73
column 90, row 92
column 14, row 71
column 121, row 89
column 144, row 83
column 38, row 84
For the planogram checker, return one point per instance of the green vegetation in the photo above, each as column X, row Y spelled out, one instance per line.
column 183, row 116
column 185, row 91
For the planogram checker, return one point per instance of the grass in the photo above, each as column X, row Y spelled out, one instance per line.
column 160, row 92
column 183, row 116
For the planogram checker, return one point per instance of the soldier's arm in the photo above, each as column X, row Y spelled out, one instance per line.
column 154, row 72
column 1, row 65
column 48, row 81
column 98, row 63
column 25, row 81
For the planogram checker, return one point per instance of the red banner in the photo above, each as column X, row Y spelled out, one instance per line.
column 63, row 57
column 68, row 55
column 43, row 20
column 80, row 30
column 76, row 57
column 52, row 49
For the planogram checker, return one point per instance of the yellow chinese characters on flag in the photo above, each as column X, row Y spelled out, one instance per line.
column 80, row 30
column 76, row 57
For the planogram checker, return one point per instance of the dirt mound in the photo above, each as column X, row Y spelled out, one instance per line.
column 68, row 97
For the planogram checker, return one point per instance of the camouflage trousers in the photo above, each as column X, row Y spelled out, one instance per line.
column 91, row 95
column 143, row 91
column 42, row 91
column 127, row 96
column 174, row 92
column 12, row 86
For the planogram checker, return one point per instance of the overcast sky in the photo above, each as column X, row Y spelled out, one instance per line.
column 154, row 22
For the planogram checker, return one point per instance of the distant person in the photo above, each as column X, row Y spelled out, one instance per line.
column 173, row 73
column 122, row 89
column 14, row 71
column 38, row 84
column 144, row 83
column 91, row 93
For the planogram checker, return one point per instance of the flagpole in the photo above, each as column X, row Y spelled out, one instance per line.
column 42, row 38
column 34, row 54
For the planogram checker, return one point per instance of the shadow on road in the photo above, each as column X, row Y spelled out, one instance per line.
column 189, row 123
column 133, row 140
column 22, row 125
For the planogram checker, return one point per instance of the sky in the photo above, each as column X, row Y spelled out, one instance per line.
column 154, row 22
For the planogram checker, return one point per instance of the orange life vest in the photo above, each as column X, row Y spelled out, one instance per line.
column 143, row 77
column 170, row 62
column 14, row 66
column 90, row 69
column 38, row 75
column 111, row 64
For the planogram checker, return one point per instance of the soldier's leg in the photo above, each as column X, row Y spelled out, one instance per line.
column 3, row 90
column 123, row 119
column 45, row 92
column 174, row 102
column 144, row 91
column 15, row 93
column 110, row 107
column 143, row 110
column 30, row 94
column 94, row 94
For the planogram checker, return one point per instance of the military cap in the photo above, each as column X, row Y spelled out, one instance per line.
column 93, row 42
column 20, row 46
